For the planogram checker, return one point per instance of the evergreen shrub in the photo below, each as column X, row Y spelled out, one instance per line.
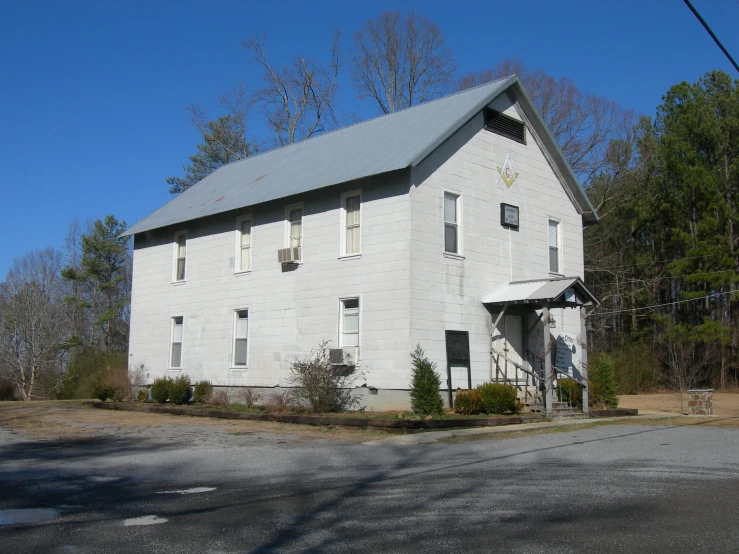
column 468, row 402
column 602, row 382
column 498, row 398
column 180, row 390
column 425, row 384
column 202, row 391
column 160, row 390
column 142, row 395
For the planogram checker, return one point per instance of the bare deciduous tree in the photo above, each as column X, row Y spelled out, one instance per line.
column 401, row 60
column 33, row 324
column 297, row 100
column 584, row 124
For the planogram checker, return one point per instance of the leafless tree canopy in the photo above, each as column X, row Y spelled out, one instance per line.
column 400, row 60
column 297, row 100
column 32, row 321
column 583, row 124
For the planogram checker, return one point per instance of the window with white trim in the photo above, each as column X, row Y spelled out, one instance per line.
column 294, row 221
column 241, row 334
column 555, row 238
column 452, row 235
column 243, row 253
column 180, row 240
column 175, row 356
column 349, row 324
column 351, row 203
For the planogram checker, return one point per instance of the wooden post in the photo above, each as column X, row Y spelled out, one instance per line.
column 549, row 392
column 584, row 357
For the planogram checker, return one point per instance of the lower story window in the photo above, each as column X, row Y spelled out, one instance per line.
column 241, row 332
column 349, row 335
column 175, row 359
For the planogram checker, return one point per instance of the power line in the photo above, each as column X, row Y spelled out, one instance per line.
column 638, row 264
column 710, row 32
column 667, row 304
column 660, row 278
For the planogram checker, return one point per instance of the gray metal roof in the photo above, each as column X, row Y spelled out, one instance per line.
column 387, row 143
column 541, row 290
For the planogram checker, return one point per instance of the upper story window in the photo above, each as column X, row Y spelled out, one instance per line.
column 351, row 242
column 241, row 332
column 349, row 324
column 175, row 357
column 180, row 255
column 243, row 254
column 452, row 218
column 555, row 239
column 294, row 216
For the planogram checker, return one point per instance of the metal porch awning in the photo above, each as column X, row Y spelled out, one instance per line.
column 556, row 292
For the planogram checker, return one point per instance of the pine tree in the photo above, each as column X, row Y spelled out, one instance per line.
column 425, row 383
column 223, row 143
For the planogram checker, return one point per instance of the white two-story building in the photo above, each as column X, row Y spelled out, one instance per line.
column 456, row 224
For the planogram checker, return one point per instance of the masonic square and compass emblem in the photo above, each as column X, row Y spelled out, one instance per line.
column 506, row 172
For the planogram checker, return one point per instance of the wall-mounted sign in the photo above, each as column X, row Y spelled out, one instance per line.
column 506, row 172
column 509, row 216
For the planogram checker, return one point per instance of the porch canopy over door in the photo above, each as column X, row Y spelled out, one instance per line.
column 524, row 297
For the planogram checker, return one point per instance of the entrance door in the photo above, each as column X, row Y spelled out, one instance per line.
column 458, row 361
column 508, row 341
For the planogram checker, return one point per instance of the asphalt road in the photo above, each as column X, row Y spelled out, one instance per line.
column 610, row 489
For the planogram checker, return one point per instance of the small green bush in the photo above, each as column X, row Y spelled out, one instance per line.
column 160, row 390
column 498, row 398
column 202, row 391
column 142, row 395
column 180, row 391
column 602, row 382
column 570, row 391
column 468, row 402
column 425, row 384
column 102, row 391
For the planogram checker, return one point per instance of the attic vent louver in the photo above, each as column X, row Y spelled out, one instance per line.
column 506, row 126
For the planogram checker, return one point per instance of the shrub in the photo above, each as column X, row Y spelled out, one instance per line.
column 278, row 401
column 202, row 391
column 180, row 391
column 498, row 398
column 570, row 391
column 160, row 390
column 102, row 391
column 425, row 383
column 142, row 395
column 602, row 382
column 250, row 397
column 468, row 402
column 320, row 385
column 90, row 369
column 218, row 398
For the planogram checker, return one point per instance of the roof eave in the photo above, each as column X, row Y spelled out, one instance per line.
column 580, row 198
column 472, row 112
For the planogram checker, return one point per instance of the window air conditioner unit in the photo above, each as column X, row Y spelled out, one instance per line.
column 289, row 255
column 344, row 356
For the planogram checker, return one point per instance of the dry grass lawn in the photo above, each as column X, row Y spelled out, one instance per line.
column 725, row 407
column 71, row 419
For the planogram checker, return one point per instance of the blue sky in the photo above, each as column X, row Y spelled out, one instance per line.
column 92, row 94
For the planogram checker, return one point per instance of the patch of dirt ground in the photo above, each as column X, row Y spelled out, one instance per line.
column 47, row 420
